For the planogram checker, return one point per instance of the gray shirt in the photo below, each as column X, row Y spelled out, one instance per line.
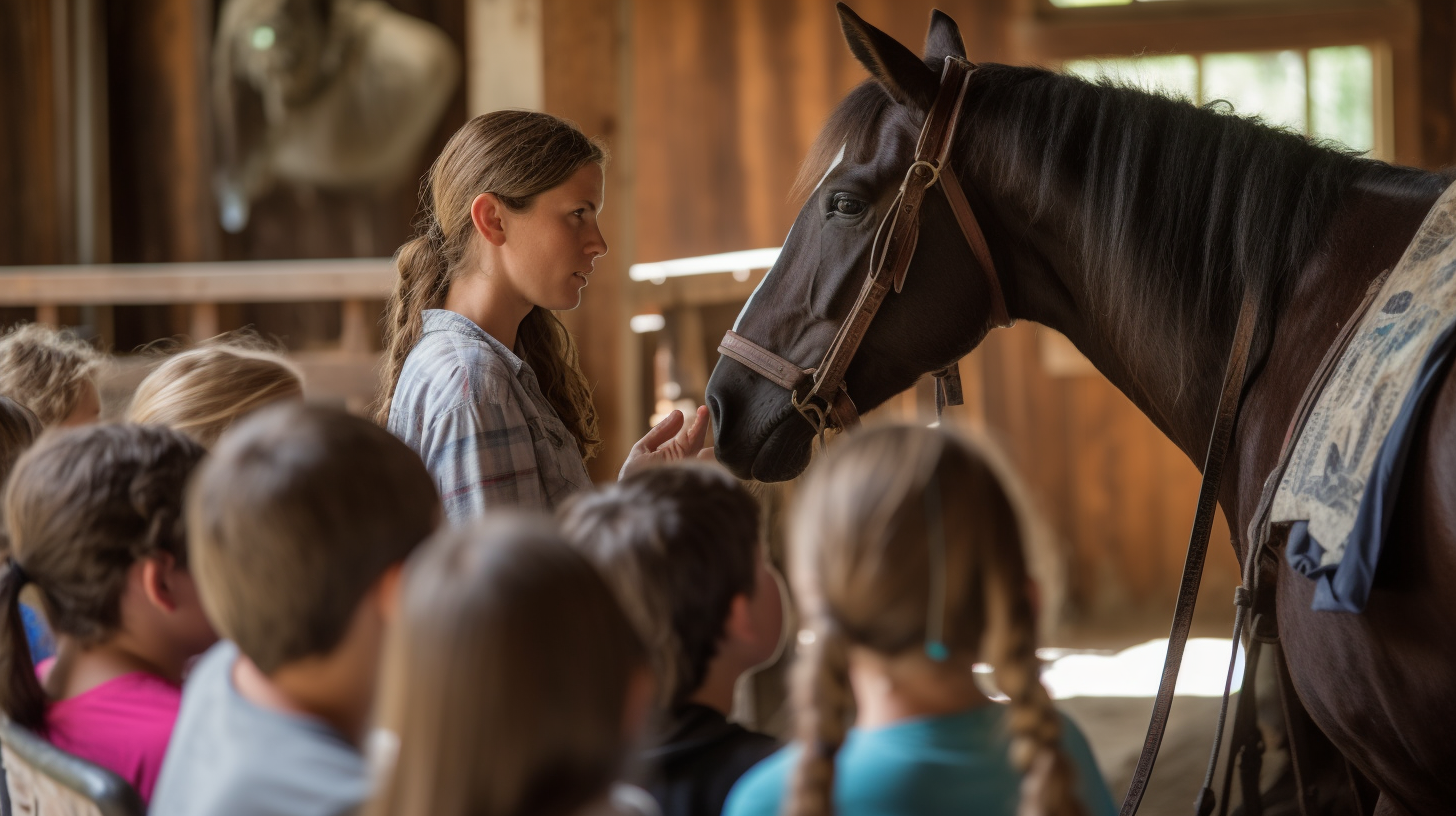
column 229, row 756
column 474, row 412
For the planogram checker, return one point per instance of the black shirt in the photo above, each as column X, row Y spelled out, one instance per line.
column 702, row 755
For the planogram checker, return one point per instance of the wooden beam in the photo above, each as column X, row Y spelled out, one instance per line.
column 1178, row 27
column 218, row 282
column 1438, row 84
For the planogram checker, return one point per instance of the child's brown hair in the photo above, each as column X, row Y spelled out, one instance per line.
column 677, row 544
column 907, row 538
column 83, row 506
column 507, row 677
column 295, row 516
column 45, row 370
column 202, row 391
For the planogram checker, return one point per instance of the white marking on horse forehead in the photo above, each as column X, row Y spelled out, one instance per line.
column 838, row 157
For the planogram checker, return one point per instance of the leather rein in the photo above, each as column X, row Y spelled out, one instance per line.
column 820, row 394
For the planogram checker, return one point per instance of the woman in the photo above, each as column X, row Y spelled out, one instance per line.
column 481, row 378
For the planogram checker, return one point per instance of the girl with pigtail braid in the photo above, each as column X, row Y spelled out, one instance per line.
column 908, row 563
column 480, row 376
column 94, row 518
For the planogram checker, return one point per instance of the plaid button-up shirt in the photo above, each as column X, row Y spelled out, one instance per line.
column 474, row 412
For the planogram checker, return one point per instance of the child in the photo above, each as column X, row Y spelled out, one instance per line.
column 52, row 373
column 203, row 390
column 907, row 564
column 95, row 521
column 513, row 681
column 680, row 547
column 19, row 429
column 299, row 523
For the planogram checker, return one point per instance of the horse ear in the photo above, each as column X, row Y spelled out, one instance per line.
column 896, row 67
column 943, row 39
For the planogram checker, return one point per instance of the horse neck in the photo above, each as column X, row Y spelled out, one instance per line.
column 1133, row 224
column 1174, row 385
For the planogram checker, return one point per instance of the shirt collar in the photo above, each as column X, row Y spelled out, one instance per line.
column 445, row 320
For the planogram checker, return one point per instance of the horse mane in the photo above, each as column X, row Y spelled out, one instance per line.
column 1174, row 209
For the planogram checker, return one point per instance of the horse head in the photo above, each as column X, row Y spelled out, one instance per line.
column 944, row 308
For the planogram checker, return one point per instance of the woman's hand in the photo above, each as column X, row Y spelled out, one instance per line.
column 671, row 440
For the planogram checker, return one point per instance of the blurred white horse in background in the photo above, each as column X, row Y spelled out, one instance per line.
column 337, row 94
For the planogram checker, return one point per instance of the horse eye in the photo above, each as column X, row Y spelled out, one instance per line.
column 844, row 205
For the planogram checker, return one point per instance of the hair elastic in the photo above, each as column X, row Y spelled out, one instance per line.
column 935, row 647
column 14, row 566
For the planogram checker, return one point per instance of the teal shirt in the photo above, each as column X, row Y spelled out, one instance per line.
column 955, row 764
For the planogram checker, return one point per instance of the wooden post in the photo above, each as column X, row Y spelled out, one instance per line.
column 584, row 51
column 354, row 337
column 48, row 314
column 204, row 322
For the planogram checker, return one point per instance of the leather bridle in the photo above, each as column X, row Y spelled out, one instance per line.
column 820, row 394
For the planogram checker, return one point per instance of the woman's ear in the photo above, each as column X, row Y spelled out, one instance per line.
column 893, row 65
column 487, row 215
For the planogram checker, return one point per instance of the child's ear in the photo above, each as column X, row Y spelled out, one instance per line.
column 637, row 709
column 740, row 625
column 390, row 586
column 158, row 577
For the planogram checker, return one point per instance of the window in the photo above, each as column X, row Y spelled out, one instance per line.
column 1325, row 93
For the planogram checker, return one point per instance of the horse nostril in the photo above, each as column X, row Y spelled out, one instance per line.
column 715, row 412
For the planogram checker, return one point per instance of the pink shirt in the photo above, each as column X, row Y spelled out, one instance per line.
column 122, row 725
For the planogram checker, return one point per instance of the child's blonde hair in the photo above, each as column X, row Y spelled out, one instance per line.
column 506, row 677
column 45, row 370
column 202, row 391
column 906, row 539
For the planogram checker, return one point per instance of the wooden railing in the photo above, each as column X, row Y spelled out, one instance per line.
column 348, row 372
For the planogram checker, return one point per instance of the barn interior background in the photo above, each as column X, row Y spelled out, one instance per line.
column 180, row 168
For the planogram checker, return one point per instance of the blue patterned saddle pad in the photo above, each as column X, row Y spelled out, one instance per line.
column 1339, row 488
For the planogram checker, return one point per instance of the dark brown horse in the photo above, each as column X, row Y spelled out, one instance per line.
column 1134, row 224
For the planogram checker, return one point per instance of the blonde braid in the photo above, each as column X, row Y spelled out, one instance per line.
column 1048, row 783
column 424, row 277
column 823, row 701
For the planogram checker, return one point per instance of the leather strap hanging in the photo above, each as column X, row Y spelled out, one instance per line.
column 1230, row 398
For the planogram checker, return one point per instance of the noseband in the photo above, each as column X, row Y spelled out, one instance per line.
column 820, row 394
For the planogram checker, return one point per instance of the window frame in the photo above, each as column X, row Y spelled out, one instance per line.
column 1389, row 28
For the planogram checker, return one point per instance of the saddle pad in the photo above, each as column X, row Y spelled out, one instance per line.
column 1339, row 488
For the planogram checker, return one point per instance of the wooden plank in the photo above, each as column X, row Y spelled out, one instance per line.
column 204, row 321
column 33, row 220
column 161, row 135
column 1163, row 28
column 585, row 81
column 1438, row 84
column 217, row 282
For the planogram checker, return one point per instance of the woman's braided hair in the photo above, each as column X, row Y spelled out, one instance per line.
column 862, row 568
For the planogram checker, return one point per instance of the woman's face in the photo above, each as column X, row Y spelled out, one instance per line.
column 550, row 248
